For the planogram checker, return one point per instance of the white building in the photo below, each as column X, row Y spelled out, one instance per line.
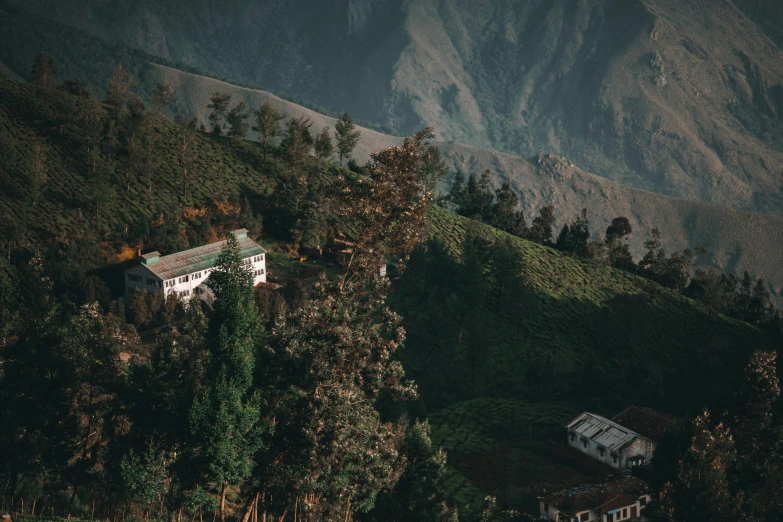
column 185, row 273
column 609, row 442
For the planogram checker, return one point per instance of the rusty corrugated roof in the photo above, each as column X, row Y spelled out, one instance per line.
column 609, row 496
column 603, row 431
column 199, row 258
column 645, row 421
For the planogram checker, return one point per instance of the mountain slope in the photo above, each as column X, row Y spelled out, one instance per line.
column 683, row 99
column 582, row 335
column 735, row 240
column 501, row 366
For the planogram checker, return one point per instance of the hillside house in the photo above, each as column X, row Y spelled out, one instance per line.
column 186, row 272
column 618, row 499
column 609, row 442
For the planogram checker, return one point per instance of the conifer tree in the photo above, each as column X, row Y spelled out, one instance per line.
column 616, row 241
column 504, row 214
column 573, row 238
column 477, row 198
column 42, row 72
column 420, row 494
column 701, row 489
column 713, row 289
column 237, row 121
column 297, row 140
column 226, row 419
column 218, row 104
column 346, row 135
column 267, row 125
column 120, row 85
column 163, row 96
column 758, row 471
column 653, row 263
column 433, row 168
column 541, row 228
column 456, row 195
column 324, row 148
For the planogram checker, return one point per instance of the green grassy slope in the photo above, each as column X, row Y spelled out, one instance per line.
column 222, row 169
column 578, row 309
column 586, row 337
column 577, row 306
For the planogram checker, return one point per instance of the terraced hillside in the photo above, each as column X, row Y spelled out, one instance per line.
column 62, row 195
column 501, row 366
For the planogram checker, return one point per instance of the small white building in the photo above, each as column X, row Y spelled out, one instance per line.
column 185, row 273
column 609, row 442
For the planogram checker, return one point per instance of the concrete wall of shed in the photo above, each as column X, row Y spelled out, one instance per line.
column 641, row 446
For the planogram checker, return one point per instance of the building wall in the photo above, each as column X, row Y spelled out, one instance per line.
column 552, row 513
column 185, row 285
column 146, row 276
column 593, row 449
column 623, row 513
column 640, row 446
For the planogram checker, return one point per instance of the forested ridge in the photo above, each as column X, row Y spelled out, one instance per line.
column 338, row 399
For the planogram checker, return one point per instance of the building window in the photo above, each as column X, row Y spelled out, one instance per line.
column 614, row 459
column 572, row 436
column 546, row 507
column 601, row 451
column 262, row 271
column 643, row 501
column 584, row 517
column 625, row 512
column 584, row 443
column 184, row 279
column 150, row 281
column 134, row 278
column 184, row 293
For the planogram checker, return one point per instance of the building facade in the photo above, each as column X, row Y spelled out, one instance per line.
column 185, row 273
column 618, row 499
column 609, row 442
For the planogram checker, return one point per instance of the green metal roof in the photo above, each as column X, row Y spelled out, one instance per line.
column 200, row 258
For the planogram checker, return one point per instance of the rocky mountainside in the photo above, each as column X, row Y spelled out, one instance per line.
column 679, row 98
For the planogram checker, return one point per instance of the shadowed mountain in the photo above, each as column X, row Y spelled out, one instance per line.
column 679, row 98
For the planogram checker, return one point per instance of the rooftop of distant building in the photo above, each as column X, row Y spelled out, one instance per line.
column 197, row 259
